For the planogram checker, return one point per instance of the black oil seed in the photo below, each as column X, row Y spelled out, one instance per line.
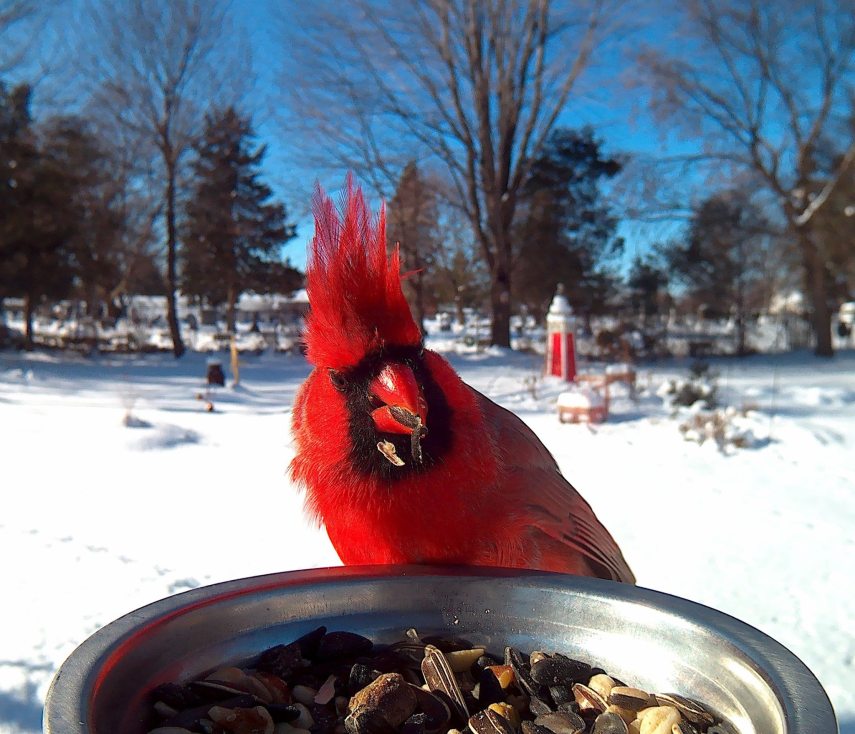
column 561, row 694
column 538, row 707
column 609, row 723
column 560, row 671
column 343, row 644
column 309, row 642
column 415, row 724
column 562, row 722
column 281, row 660
column 489, row 689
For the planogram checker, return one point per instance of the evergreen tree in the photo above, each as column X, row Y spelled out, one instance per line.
column 647, row 284
column 98, row 226
column 233, row 231
column 412, row 224
column 17, row 152
column 723, row 258
column 567, row 233
column 38, row 216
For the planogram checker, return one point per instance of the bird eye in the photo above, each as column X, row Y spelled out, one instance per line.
column 337, row 379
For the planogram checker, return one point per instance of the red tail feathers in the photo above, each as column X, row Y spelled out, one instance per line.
column 354, row 288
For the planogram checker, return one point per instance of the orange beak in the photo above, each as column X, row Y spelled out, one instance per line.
column 404, row 408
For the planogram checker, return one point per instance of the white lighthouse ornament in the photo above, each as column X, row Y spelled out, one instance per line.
column 560, row 339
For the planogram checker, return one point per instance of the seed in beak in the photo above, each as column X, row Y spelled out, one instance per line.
column 400, row 399
column 416, row 441
column 387, row 448
column 405, row 417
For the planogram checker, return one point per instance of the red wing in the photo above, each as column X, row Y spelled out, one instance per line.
column 561, row 520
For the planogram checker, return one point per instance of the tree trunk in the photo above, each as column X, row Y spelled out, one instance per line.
column 741, row 349
column 816, row 287
column 740, row 318
column 231, row 299
column 500, row 302
column 93, row 305
column 418, row 301
column 171, row 247
column 28, row 322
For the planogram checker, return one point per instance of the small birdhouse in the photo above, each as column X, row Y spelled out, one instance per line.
column 560, row 338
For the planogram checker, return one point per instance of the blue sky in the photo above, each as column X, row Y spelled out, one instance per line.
column 619, row 114
column 622, row 121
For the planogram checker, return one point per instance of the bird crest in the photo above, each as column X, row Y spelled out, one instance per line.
column 354, row 287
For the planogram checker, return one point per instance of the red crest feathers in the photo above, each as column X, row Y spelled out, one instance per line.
column 354, row 288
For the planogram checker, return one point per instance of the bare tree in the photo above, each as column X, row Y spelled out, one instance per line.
column 22, row 29
column 13, row 15
column 770, row 84
column 460, row 277
column 163, row 64
column 476, row 84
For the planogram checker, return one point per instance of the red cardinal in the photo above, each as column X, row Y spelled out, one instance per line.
column 401, row 460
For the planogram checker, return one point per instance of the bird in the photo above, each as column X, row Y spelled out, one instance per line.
column 400, row 460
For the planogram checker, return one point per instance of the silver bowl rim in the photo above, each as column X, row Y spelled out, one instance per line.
column 804, row 702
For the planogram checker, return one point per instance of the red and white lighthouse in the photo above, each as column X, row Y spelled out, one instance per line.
column 560, row 341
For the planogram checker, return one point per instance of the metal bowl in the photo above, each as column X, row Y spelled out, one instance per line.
column 652, row 640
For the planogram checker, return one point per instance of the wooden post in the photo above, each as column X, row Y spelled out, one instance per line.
column 235, row 360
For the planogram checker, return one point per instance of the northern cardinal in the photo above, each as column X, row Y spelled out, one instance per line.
column 401, row 460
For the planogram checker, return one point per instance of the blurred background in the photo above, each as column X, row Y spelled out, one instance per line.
column 685, row 164
column 683, row 173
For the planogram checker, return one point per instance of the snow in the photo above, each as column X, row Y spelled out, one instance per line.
column 580, row 397
column 621, row 368
column 119, row 489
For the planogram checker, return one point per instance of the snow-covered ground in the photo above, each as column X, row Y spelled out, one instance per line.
column 101, row 515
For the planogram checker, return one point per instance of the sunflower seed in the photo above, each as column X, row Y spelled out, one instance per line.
column 562, row 722
column 440, row 679
column 387, row 448
column 489, row 722
column 626, row 697
column 529, row 727
column 602, row 684
column 588, row 699
column 609, row 723
column 418, row 686
column 434, row 708
column 517, row 662
column 691, row 710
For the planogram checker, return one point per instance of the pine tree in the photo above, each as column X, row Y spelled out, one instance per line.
column 723, row 259
column 412, row 224
column 647, row 284
column 233, row 231
column 98, row 223
column 39, row 217
column 567, row 232
column 17, row 152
